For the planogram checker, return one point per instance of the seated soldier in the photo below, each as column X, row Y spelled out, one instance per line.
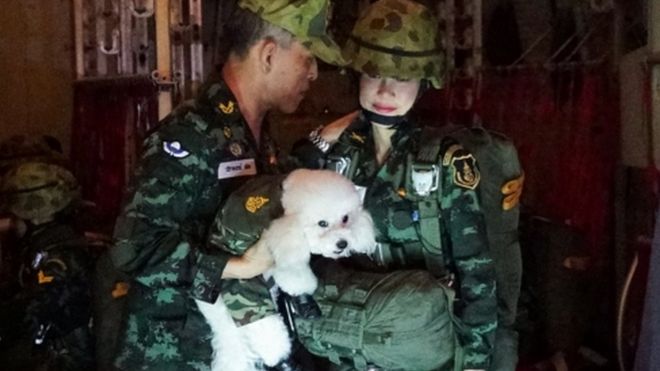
column 55, row 267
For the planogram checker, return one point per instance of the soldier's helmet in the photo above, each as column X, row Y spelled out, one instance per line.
column 20, row 149
column 38, row 190
column 398, row 39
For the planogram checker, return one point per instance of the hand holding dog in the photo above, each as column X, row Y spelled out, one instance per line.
column 255, row 261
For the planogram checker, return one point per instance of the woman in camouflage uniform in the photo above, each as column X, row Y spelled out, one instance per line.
column 421, row 187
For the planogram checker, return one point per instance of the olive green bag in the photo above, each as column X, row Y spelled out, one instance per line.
column 383, row 319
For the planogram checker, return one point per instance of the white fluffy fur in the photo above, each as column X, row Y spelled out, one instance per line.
column 322, row 215
column 242, row 348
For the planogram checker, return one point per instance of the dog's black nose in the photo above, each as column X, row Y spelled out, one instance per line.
column 341, row 244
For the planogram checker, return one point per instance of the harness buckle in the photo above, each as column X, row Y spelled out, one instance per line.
column 379, row 255
column 38, row 259
column 425, row 179
column 448, row 280
column 339, row 164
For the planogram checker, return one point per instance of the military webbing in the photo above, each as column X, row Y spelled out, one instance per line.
column 350, row 335
column 363, row 322
column 427, row 159
column 429, row 225
column 343, row 165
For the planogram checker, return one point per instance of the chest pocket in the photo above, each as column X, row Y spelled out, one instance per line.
column 401, row 219
column 408, row 217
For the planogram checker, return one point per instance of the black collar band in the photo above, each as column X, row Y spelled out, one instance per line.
column 392, row 121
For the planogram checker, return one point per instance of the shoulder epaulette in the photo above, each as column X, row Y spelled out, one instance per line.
column 432, row 142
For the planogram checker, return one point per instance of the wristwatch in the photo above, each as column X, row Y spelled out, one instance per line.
column 318, row 141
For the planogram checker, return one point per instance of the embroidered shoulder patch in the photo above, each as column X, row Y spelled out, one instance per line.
column 254, row 203
column 446, row 160
column 465, row 172
column 175, row 150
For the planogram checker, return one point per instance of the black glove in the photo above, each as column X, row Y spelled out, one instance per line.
column 305, row 306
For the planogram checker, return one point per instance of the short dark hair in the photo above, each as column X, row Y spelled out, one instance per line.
column 244, row 28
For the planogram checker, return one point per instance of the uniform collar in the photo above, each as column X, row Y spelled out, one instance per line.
column 223, row 112
column 216, row 96
column 359, row 132
column 49, row 235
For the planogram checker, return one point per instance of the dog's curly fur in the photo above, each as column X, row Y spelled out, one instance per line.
column 322, row 215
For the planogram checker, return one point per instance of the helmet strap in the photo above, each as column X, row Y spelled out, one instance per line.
column 391, row 121
column 29, row 226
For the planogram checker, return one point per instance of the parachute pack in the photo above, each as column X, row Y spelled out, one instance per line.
column 390, row 320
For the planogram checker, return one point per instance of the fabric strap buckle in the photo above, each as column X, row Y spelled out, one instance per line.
column 425, row 178
column 339, row 164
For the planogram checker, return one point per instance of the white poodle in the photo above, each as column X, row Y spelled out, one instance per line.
column 322, row 215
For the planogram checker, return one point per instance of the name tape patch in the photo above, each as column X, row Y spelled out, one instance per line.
column 232, row 169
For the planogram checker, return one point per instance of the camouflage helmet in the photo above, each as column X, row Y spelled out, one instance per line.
column 307, row 20
column 20, row 149
column 37, row 190
column 396, row 38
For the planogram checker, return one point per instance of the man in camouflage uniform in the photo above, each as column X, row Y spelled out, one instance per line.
column 200, row 153
column 420, row 186
column 56, row 266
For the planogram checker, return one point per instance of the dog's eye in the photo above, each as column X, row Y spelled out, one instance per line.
column 344, row 219
column 323, row 224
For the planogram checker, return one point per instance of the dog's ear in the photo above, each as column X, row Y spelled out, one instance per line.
column 293, row 187
column 295, row 178
column 284, row 234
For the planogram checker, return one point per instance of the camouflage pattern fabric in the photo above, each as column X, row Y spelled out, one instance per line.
column 19, row 149
column 501, row 190
column 307, row 20
column 199, row 154
column 56, row 275
column 248, row 300
column 37, row 190
column 363, row 320
column 247, row 212
column 396, row 38
column 463, row 233
column 109, row 307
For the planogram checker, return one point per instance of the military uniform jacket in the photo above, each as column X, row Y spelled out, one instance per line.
column 56, row 274
column 397, row 219
column 500, row 194
column 197, row 156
